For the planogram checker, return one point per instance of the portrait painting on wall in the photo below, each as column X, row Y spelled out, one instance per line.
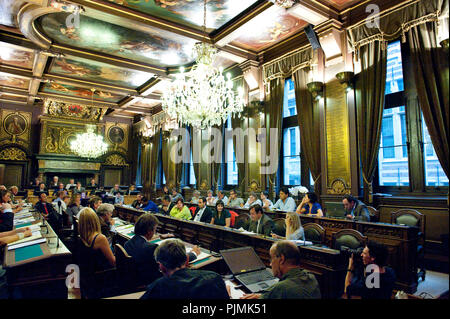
column 15, row 124
column 116, row 135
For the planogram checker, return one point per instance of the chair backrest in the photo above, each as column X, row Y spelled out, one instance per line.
column 233, row 218
column 314, row 233
column 374, row 214
column 242, row 220
column 279, row 226
column 350, row 238
column 409, row 217
column 123, row 260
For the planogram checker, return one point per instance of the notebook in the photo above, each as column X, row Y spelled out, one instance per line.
column 248, row 268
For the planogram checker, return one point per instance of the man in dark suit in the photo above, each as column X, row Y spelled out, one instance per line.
column 49, row 213
column 202, row 212
column 260, row 223
column 180, row 282
column 143, row 251
column 355, row 209
column 166, row 206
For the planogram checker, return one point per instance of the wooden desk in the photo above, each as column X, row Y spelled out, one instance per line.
column 401, row 242
column 328, row 265
column 43, row 276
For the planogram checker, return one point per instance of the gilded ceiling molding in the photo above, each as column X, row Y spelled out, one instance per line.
column 13, row 154
column 73, row 111
column 26, row 17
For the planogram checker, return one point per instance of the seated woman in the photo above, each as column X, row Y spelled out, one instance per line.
column 294, row 229
column 221, row 216
column 195, row 197
column 266, row 202
column 180, row 210
column 310, row 206
column 210, row 198
column 252, row 200
column 6, row 212
column 95, row 252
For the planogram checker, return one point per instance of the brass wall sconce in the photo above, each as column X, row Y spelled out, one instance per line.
column 316, row 89
column 346, row 79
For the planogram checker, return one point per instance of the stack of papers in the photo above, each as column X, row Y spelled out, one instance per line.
column 35, row 237
column 125, row 229
column 302, row 242
column 23, row 220
column 202, row 255
column 235, row 293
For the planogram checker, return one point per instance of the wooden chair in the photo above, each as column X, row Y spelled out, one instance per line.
column 350, row 238
column 126, row 270
column 314, row 233
column 374, row 214
column 413, row 218
column 242, row 220
column 279, row 227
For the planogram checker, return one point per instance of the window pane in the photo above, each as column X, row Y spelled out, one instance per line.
column 164, row 179
column 232, row 172
column 394, row 71
column 393, row 154
column 192, row 179
column 291, row 156
column 289, row 107
column 434, row 174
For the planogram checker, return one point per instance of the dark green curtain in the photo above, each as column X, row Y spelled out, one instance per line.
column 196, row 153
column 309, row 122
column 370, row 86
column 430, row 63
column 172, row 170
column 273, row 110
column 153, row 149
column 216, row 165
column 145, row 178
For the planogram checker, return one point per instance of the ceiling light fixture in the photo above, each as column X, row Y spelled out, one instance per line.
column 202, row 97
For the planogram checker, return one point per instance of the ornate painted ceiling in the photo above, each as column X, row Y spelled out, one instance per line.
column 120, row 54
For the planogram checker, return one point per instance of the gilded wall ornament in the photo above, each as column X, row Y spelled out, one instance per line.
column 115, row 160
column 71, row 111
column 13, row 154
column 338, row 187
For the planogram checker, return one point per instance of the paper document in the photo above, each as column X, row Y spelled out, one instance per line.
column 235, row 293
column 302, row 242
column 25, row 244
column 34, row 235
column 24, row 220
column 201, row 256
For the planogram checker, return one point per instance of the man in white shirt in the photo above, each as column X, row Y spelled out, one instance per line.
column 202, row 213
column 61, row 202
column 285, row 203
column 222, row 197
column 71, row 184
column 252, row 200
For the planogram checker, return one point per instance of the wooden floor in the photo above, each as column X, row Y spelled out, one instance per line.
column 435, row 284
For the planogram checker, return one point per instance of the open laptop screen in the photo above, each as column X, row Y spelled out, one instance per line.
column 243, row 259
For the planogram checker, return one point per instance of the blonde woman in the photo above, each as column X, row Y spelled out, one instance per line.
column 294, row 229
column 95, row 251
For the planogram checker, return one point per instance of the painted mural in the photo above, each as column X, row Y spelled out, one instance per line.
column 13, row 81
column 268, row 28
column 74, row 91
column 91, row 70
column 16, row 56
column 190, row 12
column 158, row 48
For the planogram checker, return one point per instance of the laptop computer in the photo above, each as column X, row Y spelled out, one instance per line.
column 335, row 210
column 248, row 268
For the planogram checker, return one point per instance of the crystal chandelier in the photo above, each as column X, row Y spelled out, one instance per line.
column 89, row 144
column 202, row 97
column 283, row 3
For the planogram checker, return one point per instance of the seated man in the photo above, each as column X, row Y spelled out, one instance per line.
column 235, row 201
column 137, row 203
column 14, row 192
column 49, row 213
column 113, row 191
column 221, row 196
column 41, row 189
column 71, row 184
column 252, row 200
column 176, row 195
column 179, row 282
column 203, row 213
column 285, row 203
column 59, row 188
column 149, row 205
column 295, row 283
column 374, row 257
column 143, row 251
column 260, row 223
column 355, row 209
column 78, row 188
column 180, row 210
column 104, row 212
column 92, row 183
column 54, row 183
column 166, row 205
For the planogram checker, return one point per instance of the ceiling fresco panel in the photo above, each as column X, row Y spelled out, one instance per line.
column 16, row 56
column 158, row 48
column 7, row 79
column 268, row 28
column 190, row 12
column 74, row 91
column 95, row 71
